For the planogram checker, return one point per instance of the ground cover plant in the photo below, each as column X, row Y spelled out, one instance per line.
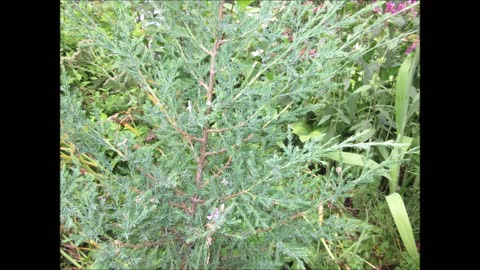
column 240, row 134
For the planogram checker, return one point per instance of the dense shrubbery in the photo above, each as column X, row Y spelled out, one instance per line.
column 239, row 135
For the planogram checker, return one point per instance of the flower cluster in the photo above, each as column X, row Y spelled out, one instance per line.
column 412, row 47
column 390, row 7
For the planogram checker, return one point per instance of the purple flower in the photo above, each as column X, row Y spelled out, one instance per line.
column 214, row 215
column 390, row 7
column 401, row 6
column 412, row 47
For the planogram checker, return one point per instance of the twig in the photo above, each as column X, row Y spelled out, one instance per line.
column 195, row 199
column 212, row 130
column 148, row 244
column 203, row 84
column 215, row 152
column 183, row 207
column 224, row 167
column 113, row 148
column 235, row 195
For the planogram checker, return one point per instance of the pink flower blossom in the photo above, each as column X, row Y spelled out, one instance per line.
column 390, row 7
column 214, row 215
column 412, row 47
column 401, row 6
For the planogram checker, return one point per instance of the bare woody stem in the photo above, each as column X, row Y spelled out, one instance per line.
column 204, row 140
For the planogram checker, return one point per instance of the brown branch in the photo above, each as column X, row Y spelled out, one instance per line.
column 151, row 177
column 215, row 152
column 183, row 207
column 212, row 130
column 248, row 138
column 203, row 149
column 178, row 192
column 235, row 195
column 149, row 244
column 185, row 134
column 195, row 199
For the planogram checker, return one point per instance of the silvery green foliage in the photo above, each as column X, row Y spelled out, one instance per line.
column 263, row 84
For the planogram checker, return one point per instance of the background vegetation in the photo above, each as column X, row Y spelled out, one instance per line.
column 240, row 134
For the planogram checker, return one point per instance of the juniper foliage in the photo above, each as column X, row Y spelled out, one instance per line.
column 225, row 183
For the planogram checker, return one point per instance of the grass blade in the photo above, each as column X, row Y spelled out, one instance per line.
column 400, row 216
column 70, row 259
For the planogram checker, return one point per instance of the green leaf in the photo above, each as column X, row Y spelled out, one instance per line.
column 399, row 214
column 304, row 138
column 298, row 265
column 370, row 132
column 362, row 89
column 354, row 159
column 397, row 154
column 242, row 4
column 404, row 80
column 316, row 134
column 324, row 119
column 300, row 128
column 228, row 6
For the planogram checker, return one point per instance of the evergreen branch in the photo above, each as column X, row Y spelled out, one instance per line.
column 213, row 130
column 195, row 39
column 283, row 222
column 156, row 101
